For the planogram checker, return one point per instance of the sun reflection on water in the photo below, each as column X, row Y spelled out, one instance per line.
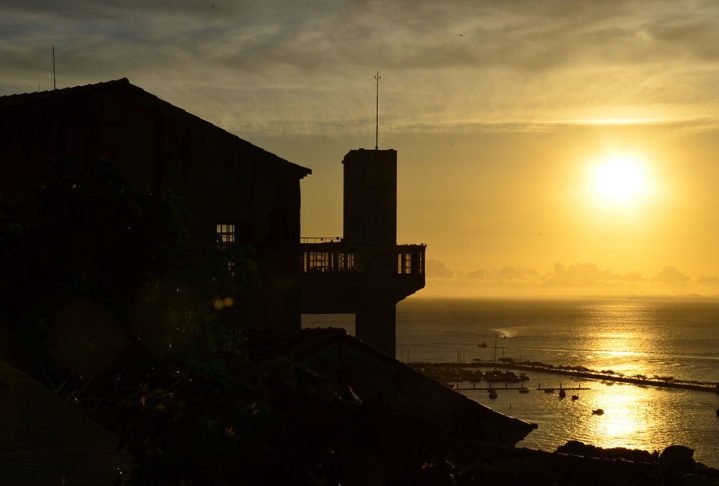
column 628, row 419
column 660, row 340
column 625, row 415
column 623, row 344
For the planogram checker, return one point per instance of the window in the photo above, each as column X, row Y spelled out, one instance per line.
column 318, row 261
column 346, row 262
column 405, row 263
column 226, row 235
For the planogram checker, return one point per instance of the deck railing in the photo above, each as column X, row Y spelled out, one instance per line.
column 328, row 255
column 320, row 239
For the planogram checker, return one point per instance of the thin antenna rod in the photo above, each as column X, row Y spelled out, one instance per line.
column 376, row 129
column 54, row 85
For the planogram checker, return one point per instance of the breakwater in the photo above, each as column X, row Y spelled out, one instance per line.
column 472, row 372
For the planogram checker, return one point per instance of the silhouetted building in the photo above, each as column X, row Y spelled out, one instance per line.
column 231, row 189
column 365, row 273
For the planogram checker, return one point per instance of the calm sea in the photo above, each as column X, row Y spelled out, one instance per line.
column 652, row 337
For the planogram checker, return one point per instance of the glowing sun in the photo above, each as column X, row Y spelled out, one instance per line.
column 620, row 179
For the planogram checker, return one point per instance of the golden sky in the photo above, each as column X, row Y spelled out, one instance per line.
column 545, row 147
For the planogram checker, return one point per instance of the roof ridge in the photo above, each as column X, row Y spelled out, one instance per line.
column 81, row 87
column 124, row 83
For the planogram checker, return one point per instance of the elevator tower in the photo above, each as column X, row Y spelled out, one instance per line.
column 365, row 272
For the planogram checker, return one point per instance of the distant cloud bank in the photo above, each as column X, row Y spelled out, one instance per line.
column 576, row 278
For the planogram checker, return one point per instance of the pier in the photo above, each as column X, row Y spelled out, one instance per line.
column 450, row 371
column 551, row 389
column 595, row 375
column 496, row 388
column 547, row 389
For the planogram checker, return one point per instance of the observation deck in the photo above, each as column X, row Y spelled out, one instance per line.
column 337, row 277
column 368, row 281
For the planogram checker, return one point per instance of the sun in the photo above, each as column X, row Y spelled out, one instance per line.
column 619, row 180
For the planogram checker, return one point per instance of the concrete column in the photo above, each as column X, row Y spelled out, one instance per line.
column 375, row 324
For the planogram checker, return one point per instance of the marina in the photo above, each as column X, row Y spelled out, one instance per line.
column 651, row 365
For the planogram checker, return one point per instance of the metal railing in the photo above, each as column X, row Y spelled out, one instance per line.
column 320, row 239
column 331, row 256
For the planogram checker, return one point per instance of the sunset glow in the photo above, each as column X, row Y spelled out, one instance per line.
column 563, row 149
column 360, row 241
column 620, row 180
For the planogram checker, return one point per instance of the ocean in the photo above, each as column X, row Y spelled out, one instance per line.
column 671, row 338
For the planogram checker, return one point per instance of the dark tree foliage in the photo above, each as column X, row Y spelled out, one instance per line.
column 93, row 267
column 110, row 301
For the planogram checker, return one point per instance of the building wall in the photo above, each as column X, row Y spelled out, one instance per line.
column 158, row 147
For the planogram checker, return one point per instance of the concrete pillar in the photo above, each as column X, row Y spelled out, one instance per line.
column 375, row 324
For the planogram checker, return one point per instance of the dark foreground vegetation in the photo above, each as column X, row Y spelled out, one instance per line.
column 122, row 314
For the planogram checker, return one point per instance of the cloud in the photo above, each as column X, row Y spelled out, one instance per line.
column 713, row 280
column 672, row 276
column 582, row 278
column 573, row 275
column 476, row 275
column 437, row 269
column 589, row 275
column 578, row 274
column 515, row 274
column 633, row 277
column 299, row 68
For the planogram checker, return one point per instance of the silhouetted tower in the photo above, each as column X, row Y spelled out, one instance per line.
column 370, row 197
column 366, row 273
column 370, row 223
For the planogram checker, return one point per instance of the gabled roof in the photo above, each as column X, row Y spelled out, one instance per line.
column 123, row 84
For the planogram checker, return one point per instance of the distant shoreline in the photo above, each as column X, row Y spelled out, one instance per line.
column 446, row 371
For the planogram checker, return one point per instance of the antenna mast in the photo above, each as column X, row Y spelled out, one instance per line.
column 376, row 129
column 54, row 85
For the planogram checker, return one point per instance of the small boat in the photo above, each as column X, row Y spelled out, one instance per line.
column 492, row 393
column 575, row 397
column 501, row 376
column 598, row 411
column 562, row 393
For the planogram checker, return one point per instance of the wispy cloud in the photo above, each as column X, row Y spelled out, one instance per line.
column 308, row 66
